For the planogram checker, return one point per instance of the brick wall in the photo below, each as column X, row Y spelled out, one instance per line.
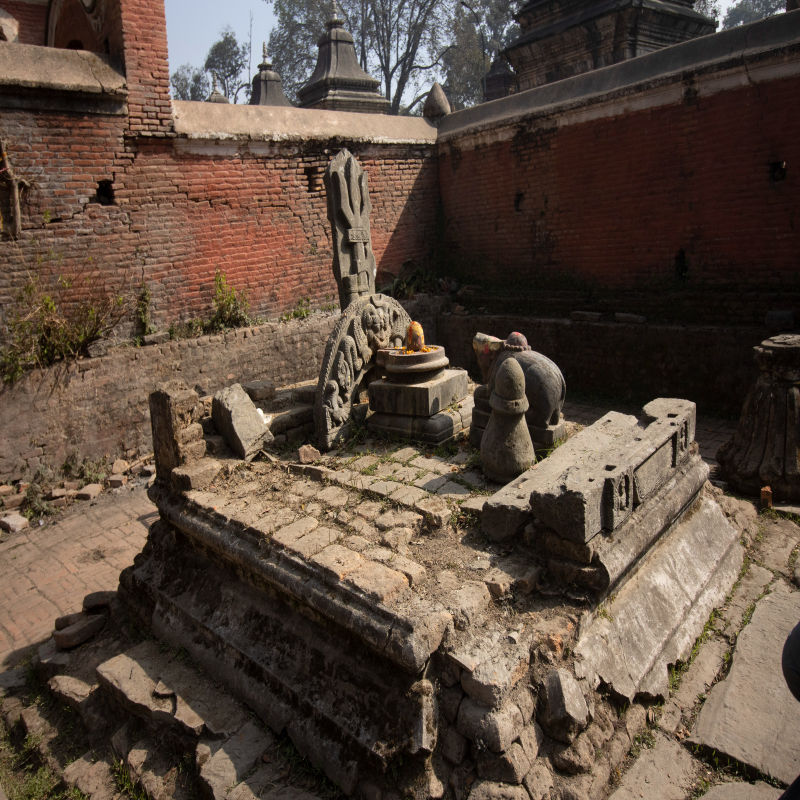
column 178, row 216
column 661, row 181
column 98, row 406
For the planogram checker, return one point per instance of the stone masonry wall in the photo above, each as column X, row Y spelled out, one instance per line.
column 712, row 366
column 98, row 406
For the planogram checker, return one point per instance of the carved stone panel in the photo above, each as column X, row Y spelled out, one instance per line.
column 366, row 325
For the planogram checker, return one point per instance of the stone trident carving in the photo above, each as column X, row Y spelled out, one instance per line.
column 348, row 211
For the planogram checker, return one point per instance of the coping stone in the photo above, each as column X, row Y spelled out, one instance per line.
column 657, row 614
column 237, row 419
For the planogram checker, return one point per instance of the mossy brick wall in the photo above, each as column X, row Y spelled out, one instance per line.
column 98, row 406
column 633, row 198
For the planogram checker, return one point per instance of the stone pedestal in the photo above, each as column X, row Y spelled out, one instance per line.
column 425, row 410
column 765, row 450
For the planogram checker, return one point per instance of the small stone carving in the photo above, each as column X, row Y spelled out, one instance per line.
column 367, row 325
column 765, row 450
column 348, row 211
column 506, row 447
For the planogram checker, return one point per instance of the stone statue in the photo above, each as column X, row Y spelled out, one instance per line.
column 506, row 447
column 545, row 388
column 348, row 211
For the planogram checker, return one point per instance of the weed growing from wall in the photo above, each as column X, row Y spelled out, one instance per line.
column 231, row 308
column 56, row 318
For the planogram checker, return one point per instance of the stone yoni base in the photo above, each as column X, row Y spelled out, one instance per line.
column 424, row 399
column 435, row 429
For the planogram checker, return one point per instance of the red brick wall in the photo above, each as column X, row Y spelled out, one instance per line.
column 177, row 218
column 144, row 36
column 32, row 19
column 613, row 201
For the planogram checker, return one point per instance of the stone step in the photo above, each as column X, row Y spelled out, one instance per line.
column 156, row 686
column 660, row 609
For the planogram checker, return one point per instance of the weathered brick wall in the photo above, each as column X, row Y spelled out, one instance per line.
column 177, row 216
column 98, row 406
column 660, row 182
column 144, row 39
column 713, row 366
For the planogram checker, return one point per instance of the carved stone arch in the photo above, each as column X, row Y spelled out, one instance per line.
column 366, row 325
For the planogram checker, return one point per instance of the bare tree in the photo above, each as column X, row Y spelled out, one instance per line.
column 402, row 42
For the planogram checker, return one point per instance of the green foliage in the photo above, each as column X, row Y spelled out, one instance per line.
column 405, row 287
column 57, row 318
column 143, row 301
column 479, row 32
column 34, row 504
column 227, row 60
column 300, row 311
column 189, row 83
column 124, row 783
column 746, row 11
column 230, row 307
column 710, row 8
column 86, row 470
column 405, row 43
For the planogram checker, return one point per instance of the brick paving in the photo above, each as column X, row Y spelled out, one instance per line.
column 46, row 571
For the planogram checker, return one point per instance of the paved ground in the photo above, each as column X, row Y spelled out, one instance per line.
column 46, row 571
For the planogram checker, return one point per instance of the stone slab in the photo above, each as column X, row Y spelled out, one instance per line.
column 595, row 480
column 667, row 772
column 419, row 399
column 437, row 429
column 743, row 791
column 237, row 419
column 751, row 716
column 658, row 613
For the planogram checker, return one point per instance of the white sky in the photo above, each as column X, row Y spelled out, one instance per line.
column 194, row 25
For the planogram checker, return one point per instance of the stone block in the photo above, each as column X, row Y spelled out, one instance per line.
column 508, row 767
column 563, row 710
column 492, row 728
column 237, row 419
column 197, row 475
column 260, row 391
column 80, row 631
column 13, row 523
column 378, row 581
column 595, row 480
column 172, row 408
column 419, row 399
column 493, row 790
column 89, row 492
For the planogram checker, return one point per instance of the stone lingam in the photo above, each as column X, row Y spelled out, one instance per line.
column 417, row 396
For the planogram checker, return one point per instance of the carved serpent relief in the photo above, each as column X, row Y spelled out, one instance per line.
column 366, row 325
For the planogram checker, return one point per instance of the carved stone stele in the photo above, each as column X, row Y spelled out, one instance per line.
column 366, row 325
column 348, row 211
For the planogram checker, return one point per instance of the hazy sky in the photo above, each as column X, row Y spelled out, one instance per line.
column 194, row 25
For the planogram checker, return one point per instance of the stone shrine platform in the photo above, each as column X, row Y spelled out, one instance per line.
column 667, row 764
